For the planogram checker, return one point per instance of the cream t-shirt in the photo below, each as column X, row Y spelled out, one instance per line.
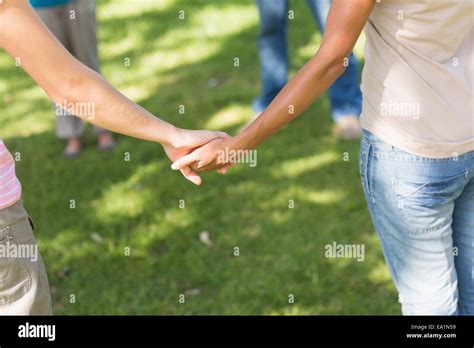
column 417, row 79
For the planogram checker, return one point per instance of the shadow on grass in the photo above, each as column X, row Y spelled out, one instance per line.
column 135, row 205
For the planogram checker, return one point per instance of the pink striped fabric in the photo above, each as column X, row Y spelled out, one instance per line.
column 10, row 188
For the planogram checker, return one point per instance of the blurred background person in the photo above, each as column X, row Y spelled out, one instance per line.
column 344, row 95
column 73, row 22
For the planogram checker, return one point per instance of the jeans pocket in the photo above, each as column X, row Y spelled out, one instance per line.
column 427, row 205
column 15, row 279
column 364, row 160
column 32, row 224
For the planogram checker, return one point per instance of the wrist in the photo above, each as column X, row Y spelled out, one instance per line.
column 244, row 140
column 172, row 137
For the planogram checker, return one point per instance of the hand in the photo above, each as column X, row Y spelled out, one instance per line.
column 184, row 142
column 208, row 157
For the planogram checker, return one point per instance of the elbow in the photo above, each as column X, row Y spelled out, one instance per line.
column 333, row 58
column 73, row 97
column 72, row 90
column 337, row 65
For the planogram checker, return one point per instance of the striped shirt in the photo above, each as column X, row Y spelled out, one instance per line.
column 10, row 188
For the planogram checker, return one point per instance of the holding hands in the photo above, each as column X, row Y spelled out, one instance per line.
column 206, row 157
column 187, row 145
column 214, row 151
column 217, row 154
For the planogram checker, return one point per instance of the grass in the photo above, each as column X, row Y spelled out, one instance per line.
column 136, row 204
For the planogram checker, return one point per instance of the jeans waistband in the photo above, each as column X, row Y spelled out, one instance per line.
column 383, row 149
column 12, row 214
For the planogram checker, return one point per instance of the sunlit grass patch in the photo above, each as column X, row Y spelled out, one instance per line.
column 301, row 165
column 230, row 116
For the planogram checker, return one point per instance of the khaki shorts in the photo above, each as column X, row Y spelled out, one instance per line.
column 24, row 287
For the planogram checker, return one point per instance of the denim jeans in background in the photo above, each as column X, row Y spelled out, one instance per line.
column 344, row 94
column 423, row 212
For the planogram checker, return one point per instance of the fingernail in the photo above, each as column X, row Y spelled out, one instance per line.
column 174, row 167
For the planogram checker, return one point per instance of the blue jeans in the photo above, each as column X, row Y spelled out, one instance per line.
column 344, row 95
column 423, row 212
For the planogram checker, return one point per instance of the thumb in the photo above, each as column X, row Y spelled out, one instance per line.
column 189, row 174
column 184, row 161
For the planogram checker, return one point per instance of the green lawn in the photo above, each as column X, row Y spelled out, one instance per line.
column 135, row 204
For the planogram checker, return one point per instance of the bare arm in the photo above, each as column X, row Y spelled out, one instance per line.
column 344, row 24
column 66, row 80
